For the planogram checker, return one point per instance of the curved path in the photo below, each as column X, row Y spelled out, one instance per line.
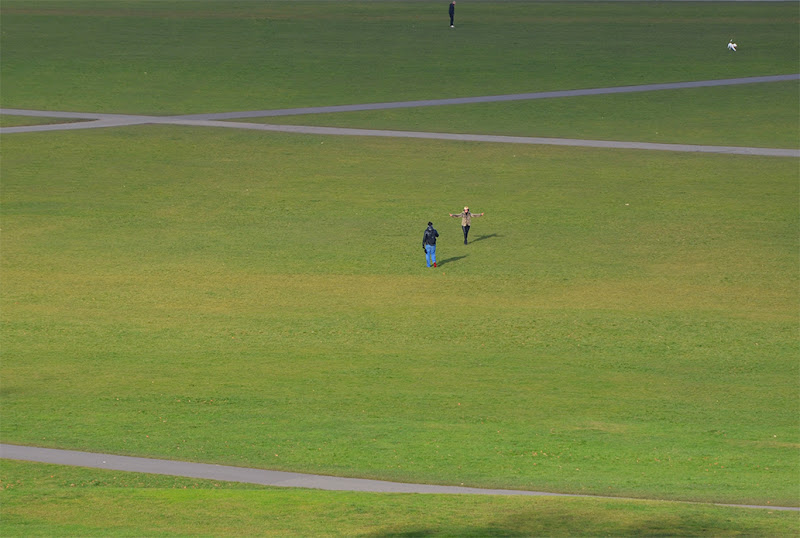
column 299, row 480
column 264, row 477
column 217, row 119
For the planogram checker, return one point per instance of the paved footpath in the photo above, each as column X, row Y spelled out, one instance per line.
column 264, row 477
column 222, row 119
column 299, row 480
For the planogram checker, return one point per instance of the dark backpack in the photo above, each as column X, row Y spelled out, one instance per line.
column 430, row 236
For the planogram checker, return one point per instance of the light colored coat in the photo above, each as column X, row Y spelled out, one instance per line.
column 466, row 217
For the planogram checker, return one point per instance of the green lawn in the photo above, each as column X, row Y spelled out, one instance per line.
column 171, row 57
column 760, row 115
column 221, row 307
column 7, row 120
column 47, row 500
column 623, row 323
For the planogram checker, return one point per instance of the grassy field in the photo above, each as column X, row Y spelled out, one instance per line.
column 48, row 500
column 623, row 323
column 171, row 57
column 755, row 115
column 7, row 120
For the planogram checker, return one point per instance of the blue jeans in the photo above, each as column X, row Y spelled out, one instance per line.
column 430, row 254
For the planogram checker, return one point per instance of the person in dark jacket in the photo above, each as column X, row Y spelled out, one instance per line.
column 452, row 12
column 429, row 244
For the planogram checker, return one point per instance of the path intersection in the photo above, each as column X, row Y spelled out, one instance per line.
column 223, row 119
column 300, row 480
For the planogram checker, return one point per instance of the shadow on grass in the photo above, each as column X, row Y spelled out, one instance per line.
column 450, row 260
column 481, row 532
column 482, row 237
column 599, row 517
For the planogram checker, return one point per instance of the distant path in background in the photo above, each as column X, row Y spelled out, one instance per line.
column 263, row 477
column 299, row 480
column 218, row 119
column 497, row 98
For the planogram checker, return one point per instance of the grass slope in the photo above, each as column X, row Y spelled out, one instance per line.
column 759, row 115
column 7, row 120
column 605, row 332
column 623, row 322
column 45, row 500
column 165, row 57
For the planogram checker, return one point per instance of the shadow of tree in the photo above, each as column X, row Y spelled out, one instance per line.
column 478, row 532
column 597, row 517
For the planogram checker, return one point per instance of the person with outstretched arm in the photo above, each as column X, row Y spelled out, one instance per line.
column 466, row 220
